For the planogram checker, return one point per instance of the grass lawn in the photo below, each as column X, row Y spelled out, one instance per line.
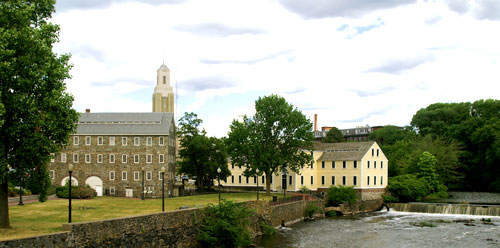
column 42, row 218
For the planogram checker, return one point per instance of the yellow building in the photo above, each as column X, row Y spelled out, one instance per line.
column 163, row 96
column 362, row 165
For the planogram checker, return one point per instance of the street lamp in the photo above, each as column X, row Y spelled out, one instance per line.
column 257, row 171
column 142, row 196
column 21, row 191
column 163, row 189
column 70, row 170
column 218, row 180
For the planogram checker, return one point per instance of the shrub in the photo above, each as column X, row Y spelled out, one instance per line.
column 304, row 190
column 225, row 225
column 77, row 192
column 331, row 213
column 267, row 230
column 311, row 209
column 390, row 198
column 408, row 188
column 338, row 195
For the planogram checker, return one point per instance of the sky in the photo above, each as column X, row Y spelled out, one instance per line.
column 352, row 62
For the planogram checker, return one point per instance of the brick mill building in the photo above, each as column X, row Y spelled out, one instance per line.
column 115, row 152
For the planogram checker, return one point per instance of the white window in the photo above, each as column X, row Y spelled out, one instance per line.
column 149, row 158
column 149, row 175
column 124, row 158
column 137, row 141
column 87, row 158
column 63, row 157
column 76, row 141
column 136, row 176
column 112, row 190
column 150, row 141
column 99, row 158
column 354, row 180
column 161, row 158
column 381, row 164
column 161, row 141
column 159, row 175
column 111, row 158
column 52, row 158
column 52, row 174
column 111, row 175
column 75, row 158
column 100, row 140
column 124, row 175
column 136, row 158
column 124, row 141
column 368, row 181
column 111, row 141
column 88, row 141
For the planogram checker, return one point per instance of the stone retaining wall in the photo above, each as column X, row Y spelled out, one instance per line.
column 473, row 197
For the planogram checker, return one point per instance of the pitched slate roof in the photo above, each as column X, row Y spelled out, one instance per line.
column 124, row 123
column 342, row 151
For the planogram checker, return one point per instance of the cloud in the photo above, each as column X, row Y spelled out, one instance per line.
column 481, row 9
column 339, row 8
column 251, row 61
column 216, row 30
column 87, row 51
column 65, row 5
column 368, row 93
column 205, row 83
column 397, row 66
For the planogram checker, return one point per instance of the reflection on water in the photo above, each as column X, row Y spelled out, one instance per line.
column 391, row 229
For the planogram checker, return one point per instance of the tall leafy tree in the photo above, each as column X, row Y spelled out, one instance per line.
column 334, row 135
column 37, row 116
column 200, row 155
column 277, row 138
column 475, row 127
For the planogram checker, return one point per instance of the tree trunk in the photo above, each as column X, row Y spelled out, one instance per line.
column 4, row 204
column 268, row 183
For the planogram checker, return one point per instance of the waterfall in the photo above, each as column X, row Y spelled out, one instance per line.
column 445, row 208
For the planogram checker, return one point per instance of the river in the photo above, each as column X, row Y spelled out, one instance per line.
column 390, row 229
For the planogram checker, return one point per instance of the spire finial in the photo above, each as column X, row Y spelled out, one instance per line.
column 163, row 58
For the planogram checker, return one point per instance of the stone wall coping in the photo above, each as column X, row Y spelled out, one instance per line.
column 69, row 226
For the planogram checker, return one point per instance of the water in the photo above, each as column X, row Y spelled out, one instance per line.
column 390, row 229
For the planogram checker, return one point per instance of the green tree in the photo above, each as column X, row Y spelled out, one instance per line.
column 279, row 137
column 473, row 126
column 389, row 135
column 200, row 155
column 334, row 135
column 225, row 225
column 425, row 168
column 37, row 118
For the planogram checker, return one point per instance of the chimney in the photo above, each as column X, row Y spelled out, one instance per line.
column 87, row 110
column 315, row 122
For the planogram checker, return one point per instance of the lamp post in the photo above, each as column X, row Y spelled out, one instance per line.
column 257, row 171
column 70, row 170
column 163, row 189
column 21, row 191
column 142, row 196
column 218, row 181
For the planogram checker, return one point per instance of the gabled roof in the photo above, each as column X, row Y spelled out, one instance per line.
column 124, row 123
column 343, row 151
